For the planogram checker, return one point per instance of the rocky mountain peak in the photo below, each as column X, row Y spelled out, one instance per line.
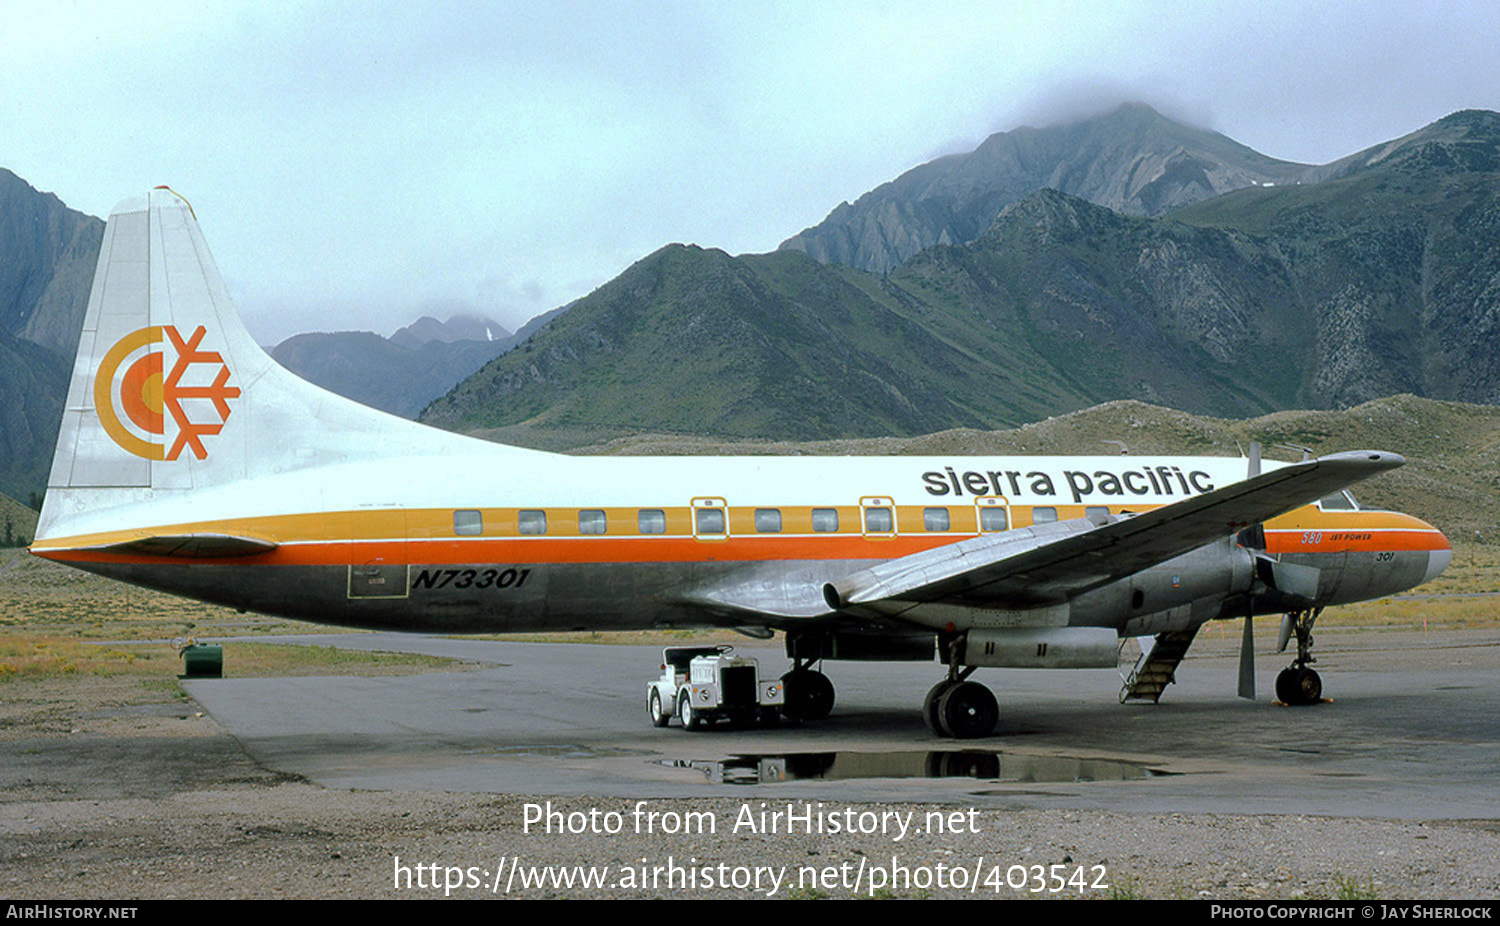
column 1131, row 159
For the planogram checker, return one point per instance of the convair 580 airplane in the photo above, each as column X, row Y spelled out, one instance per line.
column 189, row 461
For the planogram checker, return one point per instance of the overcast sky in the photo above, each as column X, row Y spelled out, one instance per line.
column 357, row 164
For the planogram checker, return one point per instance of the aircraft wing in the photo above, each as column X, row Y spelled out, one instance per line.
column 1048, row 564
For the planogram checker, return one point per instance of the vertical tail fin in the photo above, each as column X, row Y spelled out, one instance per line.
column 170, row 393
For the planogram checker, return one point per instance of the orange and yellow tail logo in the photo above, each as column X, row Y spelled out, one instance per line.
column 134, row 405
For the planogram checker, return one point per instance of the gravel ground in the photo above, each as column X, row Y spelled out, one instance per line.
column 156, row 801
column 295, row 840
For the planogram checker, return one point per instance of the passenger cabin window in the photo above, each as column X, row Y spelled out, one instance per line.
column 768, row 520
column 709, row 520
column 532, row 522
column 652, row 521
column 825, row 520
column 468, row 522
column 591, row 521
column 1092, row 510
column 879, row 521
column 936, row 519
column 993, row 519
column 1043, row 515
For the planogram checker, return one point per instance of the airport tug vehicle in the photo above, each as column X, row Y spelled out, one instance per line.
column 704, row 684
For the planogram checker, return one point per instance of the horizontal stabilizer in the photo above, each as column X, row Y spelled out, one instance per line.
column 190, row 546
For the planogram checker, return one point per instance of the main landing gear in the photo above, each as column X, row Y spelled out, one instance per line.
column 808, row 693
column 956, row 707
column 1298, row 684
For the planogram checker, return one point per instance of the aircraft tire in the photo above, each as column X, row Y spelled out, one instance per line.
column 1299, row 687
column 1286, row 691
column 930, row 708
column 809, row 695
column 659, row 717
column 1309, row 687
column 968, row 710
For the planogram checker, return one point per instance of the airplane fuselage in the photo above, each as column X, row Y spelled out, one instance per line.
column 539, row 542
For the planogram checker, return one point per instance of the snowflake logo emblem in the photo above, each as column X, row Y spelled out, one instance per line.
column 140, row 408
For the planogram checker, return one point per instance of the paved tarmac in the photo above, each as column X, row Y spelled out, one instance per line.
column 1412, row 732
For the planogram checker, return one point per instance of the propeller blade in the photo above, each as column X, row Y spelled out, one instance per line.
column 1247, row 662
column 1286, row 633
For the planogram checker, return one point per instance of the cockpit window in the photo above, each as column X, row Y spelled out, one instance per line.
column 1338, row 501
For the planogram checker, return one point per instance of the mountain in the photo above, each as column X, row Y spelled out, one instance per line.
column 1132, row 160
column 33, row 386
column 47, row 257
column 1378, row 279
column 457, row 328
column 400, row 374
column 696, row 340
column 17, row 523
column 1396, row 256
column 1034, row 319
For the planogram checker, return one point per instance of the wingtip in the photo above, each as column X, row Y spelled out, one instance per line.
column 1376, row 459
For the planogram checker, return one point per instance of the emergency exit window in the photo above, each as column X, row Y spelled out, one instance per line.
column 709, row 520
column 993, row 519
column 879, row 521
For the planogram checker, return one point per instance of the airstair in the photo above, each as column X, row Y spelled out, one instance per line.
column 1157, row 667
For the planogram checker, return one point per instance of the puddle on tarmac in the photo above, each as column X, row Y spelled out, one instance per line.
column 558, row 751
column 976, row 764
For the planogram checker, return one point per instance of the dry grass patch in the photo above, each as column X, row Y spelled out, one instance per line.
column 33, row 656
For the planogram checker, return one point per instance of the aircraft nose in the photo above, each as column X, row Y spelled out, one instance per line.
column 1437, row 561
column 1439, row 556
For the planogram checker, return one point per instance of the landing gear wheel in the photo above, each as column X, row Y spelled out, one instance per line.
column 685, row 713
column 930, row 708
column 659, row 717
column 968, row 710
column 809, row 695
column 1297, row 684
column 1299, row 687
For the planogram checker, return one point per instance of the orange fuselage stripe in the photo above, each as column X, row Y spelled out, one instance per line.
column 424, row 537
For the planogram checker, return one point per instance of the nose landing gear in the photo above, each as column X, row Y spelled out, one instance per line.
column 1298, row 684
